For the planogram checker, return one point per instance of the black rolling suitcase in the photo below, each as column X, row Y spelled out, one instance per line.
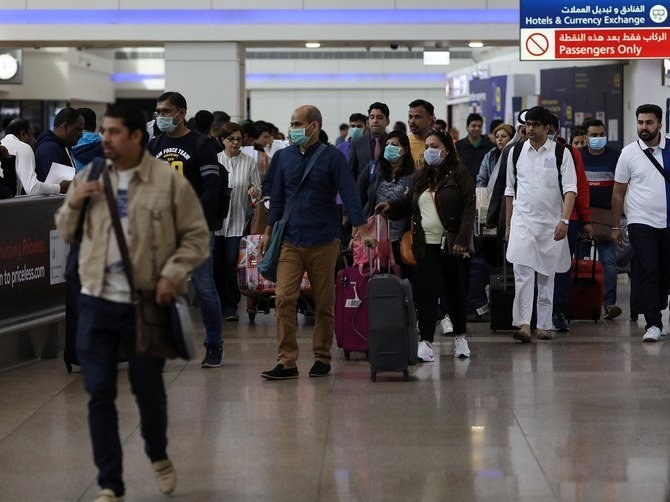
column 392, row 333
column 501, row 290
column 392, row 337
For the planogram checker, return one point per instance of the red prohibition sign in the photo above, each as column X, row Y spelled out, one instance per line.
column 537, row 44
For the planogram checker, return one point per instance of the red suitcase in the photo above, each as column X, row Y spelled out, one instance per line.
column 586, row 294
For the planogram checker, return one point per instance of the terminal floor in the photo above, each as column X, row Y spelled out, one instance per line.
column 583, row 417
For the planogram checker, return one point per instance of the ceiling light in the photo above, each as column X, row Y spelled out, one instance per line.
column 436, row 57
column 476, row 45
column 312, row 45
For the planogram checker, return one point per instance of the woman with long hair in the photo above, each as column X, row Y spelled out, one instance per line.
column 389, row 182
column 441, row 204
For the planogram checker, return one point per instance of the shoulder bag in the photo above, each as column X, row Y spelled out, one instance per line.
column 160, row 331
column 268, row 265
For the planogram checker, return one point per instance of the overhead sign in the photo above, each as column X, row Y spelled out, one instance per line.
column 610, row 29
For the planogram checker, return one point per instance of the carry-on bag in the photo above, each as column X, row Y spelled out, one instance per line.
column 501, row 291
column 351, row 290
column 586, row 293
column 393, row 337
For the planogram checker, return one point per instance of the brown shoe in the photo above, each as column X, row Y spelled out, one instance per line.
column 523, row 334
column 612, row 311
column 543, row 334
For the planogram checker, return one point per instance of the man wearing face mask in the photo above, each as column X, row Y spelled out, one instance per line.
column 357, row 127
column 600, row 164
column 194, row 156
column 580, row 217
column 642, row 177
column 311, row 238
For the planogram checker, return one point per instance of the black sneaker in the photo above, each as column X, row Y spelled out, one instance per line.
column 319, row 369
column 279, row 372
column 213, row 356
column 560, row 323
column 232, row 316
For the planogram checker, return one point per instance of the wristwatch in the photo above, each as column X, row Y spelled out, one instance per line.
column 566, row 221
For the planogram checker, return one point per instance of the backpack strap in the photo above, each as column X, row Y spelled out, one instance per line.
column 560, row 151
column 151, row 146
column 97, row 165
column 516, row 153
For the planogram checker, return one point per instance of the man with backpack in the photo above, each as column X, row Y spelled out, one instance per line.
column 194, row 156
column 540, row 195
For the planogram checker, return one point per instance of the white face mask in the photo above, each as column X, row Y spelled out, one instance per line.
column 166, row 124
column 432, row 156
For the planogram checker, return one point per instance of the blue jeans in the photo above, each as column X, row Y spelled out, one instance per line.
column 607, row 257
column 208, row 299
column 104, row 327
column 226, row 255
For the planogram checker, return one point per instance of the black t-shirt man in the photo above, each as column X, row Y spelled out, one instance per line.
column 197, row 160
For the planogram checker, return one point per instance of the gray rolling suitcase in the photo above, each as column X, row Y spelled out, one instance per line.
column 392, row 333
column 392, row 337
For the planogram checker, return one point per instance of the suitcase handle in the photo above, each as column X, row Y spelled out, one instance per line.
column 379, row 219
column 592, row 254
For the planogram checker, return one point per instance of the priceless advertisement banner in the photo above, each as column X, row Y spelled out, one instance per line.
column 32, row 257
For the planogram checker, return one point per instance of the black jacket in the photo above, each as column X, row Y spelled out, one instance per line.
column 472, row 156
column 455, row 201
column 50, row 148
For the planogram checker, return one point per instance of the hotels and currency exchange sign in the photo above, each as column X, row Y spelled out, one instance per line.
column 564, row 30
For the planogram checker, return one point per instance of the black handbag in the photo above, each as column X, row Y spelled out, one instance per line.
column 160, row 331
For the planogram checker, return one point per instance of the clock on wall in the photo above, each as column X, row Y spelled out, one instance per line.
column 9, row 66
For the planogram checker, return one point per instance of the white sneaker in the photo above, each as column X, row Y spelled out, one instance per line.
column 461, row 348
column 426, row 352
column 446, row 326
column 652, row 334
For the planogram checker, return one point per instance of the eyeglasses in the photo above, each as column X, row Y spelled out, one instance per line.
column 534, row 125
column 165, row 113
column 234, row 139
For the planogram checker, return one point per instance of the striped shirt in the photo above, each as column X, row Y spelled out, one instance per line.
column 242, row 175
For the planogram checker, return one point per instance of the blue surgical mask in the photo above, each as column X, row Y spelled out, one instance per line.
column 432, row 156
column 355, row 132
column 165, row 124
column 552, row 137
column 298, row 136
column 597, row 143
column 392, row 153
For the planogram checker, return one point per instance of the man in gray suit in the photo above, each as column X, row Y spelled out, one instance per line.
column 370, row 146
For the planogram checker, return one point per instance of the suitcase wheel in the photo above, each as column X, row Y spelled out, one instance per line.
column 68, row 367
column 367, row 356
column 347, row 355
column 373, row 375
column 405, row 376
column 252, row 316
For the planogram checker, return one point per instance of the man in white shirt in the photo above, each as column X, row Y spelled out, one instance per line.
column 540, row 195
column 643, row 176
column 19, row 141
